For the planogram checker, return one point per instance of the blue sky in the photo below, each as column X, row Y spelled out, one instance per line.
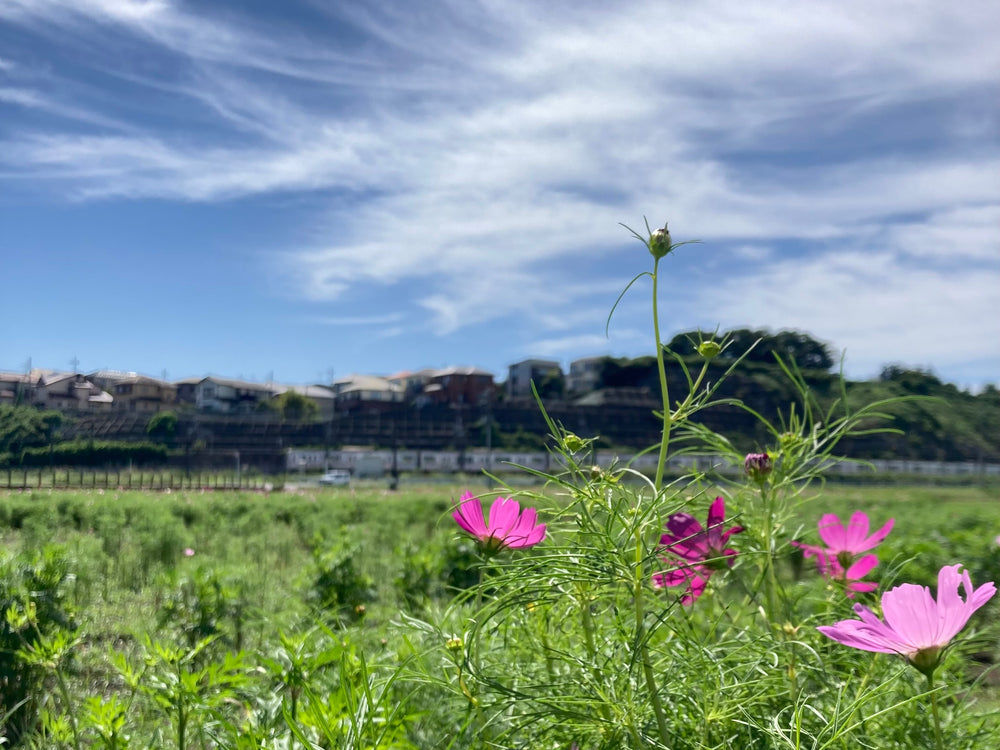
column 282, row 190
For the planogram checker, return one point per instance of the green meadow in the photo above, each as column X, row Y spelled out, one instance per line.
column 302, row 618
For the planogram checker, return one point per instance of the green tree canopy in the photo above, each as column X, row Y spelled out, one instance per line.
column 25, row 426
column 294, row 406
column 162, row 427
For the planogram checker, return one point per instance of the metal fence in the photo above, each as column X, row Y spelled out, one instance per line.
column 46, row 478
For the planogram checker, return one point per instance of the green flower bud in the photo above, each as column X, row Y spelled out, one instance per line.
column 709, row 349
column 659, row 243
column 573, row 443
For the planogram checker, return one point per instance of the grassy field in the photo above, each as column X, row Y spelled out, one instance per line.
column 136, row 574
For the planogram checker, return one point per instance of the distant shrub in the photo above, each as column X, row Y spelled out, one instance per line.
column 94, row 453
column 337, row 586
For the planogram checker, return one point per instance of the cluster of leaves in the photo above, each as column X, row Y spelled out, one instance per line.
column 291, row 406
column 946, row 424
column 25, row 427
column 36, row 629
column 93, row 453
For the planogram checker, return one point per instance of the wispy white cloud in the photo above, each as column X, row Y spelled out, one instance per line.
column 483, row 145
column 872, row 301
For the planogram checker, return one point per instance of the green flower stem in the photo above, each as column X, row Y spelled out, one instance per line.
column 588, row 636
column 793, row 676
column 640, row 635
column 770, row 577
column 934, row 712
column 665, row 440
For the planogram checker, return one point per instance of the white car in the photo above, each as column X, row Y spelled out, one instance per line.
column 336, row 478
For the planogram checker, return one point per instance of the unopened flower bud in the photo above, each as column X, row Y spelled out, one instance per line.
column 709, row 349
column 659, row 242
column 573, row 443
column 757, row 466
column 454, row 644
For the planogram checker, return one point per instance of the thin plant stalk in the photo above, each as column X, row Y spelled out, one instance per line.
column 770, row 577
column 664, row 392
column 935, row 712
column 588, row 636
column 640, row 634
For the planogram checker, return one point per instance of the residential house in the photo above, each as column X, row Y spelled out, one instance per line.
column 413, row 383
column 186, row 391
column 134, row 393
column 15, row 388
column 145, row 395
column 584, row 374
column 520, row 375
column 460, row 385
column 68, row 391
column 366, row 388
column 106, row 379
column 227, row 396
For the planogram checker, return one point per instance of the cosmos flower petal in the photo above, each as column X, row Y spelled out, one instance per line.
column 875, row 539
column 861, row 568
column 861, row 587
column 683, row 525
column 831, row 531
column 851, row 633
column 503, row 516
column 856, row 531
column 469, row 515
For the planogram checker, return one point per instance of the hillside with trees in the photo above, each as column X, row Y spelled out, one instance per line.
column 937, row 421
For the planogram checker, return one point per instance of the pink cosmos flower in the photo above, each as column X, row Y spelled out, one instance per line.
column 844, row 542
column 507, row 526
column 188, row 552
column 699, row 551
column 916, row 626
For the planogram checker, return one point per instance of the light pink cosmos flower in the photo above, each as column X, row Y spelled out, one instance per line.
column 699, row 551
column 507, row 526
column 916, row 626
column 839, row 560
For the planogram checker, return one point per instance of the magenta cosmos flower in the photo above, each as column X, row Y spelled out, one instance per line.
column 839, row 559
column 507, row 525
column 916, row 625
column 699, row 551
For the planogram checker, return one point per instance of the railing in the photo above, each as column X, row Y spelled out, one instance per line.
column 45, row 478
